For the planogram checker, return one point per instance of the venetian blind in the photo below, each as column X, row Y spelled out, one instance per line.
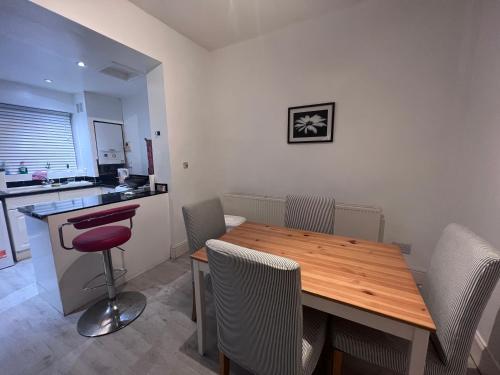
column 37, row 137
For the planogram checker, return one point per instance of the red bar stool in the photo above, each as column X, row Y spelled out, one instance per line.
column 118, row 310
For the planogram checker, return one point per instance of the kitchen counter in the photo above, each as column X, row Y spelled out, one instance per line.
column 42, row 210
column 37, row 189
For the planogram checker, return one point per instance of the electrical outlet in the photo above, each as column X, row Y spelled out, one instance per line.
column 405, row 247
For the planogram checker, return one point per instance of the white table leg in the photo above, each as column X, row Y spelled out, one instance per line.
column 199, row 297
column 418, row 352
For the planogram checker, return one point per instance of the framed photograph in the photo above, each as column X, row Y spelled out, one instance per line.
column 311, row 123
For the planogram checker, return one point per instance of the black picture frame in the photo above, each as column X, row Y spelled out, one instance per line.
column 312, row 123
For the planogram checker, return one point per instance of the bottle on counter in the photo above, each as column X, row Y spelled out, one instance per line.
column 22, row 168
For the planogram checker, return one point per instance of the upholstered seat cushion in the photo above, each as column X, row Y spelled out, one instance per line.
column 233, row 221
column 102, row 238
column 313, row 338
column 377, row 347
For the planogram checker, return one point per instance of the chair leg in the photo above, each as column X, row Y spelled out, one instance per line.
column 223, row 364
column 193, row 309
column 337, row 359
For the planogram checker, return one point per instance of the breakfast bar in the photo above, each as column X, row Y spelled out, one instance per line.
column 61, row 274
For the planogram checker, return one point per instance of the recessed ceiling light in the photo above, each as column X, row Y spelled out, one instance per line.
column 81, row 64
column 47, row 80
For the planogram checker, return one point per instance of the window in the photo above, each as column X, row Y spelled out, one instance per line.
column 37, row 137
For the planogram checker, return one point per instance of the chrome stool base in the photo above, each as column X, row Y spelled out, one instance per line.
column 108, row 316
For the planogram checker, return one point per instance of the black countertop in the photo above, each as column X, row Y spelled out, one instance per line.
column 42, row 210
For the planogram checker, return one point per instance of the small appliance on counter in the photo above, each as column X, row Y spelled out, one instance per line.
column 123, row 174
column 136, row 180
column 132, row 182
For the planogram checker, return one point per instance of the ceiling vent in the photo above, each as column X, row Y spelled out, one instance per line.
column 120, row 71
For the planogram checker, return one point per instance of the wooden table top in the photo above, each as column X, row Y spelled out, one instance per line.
column 367, row 275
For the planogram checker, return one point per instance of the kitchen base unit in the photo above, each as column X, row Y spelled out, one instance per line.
column 6, row 256
column 61, row 274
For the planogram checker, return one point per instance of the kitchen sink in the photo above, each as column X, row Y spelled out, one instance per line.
column 35, row 188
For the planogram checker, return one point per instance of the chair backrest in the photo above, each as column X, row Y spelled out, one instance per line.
column 203, row 221
column 463, row 273
column 312, row 213
column 104, row 217
column 258, row 308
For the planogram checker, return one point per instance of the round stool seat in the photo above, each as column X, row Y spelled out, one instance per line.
column 102, row 238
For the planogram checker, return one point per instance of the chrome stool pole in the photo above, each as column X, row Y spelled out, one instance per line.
column 108, row 273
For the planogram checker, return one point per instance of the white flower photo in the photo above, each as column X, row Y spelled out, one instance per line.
column 310, row 123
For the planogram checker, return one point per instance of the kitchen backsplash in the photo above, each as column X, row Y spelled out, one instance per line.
column 11, row 184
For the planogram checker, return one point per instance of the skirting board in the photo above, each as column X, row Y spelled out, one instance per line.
column 485, row 362
column 179, row 249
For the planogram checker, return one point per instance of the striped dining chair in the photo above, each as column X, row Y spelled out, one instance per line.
column 462, row 275
column 261, row 323
column 311, row 213
column 203, row 221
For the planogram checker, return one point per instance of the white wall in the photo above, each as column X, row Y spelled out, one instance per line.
column 184, row 66
column 157, row 116
column 478, row 172
column 136, row 128
column 82, row 135
column 103, row 107
column 99, row 107
column 392, row 69
column 417, row 87
column 36, row 97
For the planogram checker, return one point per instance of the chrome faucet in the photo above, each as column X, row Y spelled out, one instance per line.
column 47, row 181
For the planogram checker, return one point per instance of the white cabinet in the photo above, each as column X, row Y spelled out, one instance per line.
column 18, row 230
column 31, row 199
column 80, row 193
column 17, row 220
column 6, row 259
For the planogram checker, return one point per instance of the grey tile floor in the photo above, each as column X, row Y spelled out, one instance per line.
column 36, row 339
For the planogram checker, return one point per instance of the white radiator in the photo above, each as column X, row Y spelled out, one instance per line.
column 351, row 220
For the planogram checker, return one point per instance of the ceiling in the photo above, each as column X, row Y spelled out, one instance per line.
column 36, row 44
column 217, row 23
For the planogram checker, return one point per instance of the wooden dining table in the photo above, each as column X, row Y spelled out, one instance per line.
column 365, row 282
